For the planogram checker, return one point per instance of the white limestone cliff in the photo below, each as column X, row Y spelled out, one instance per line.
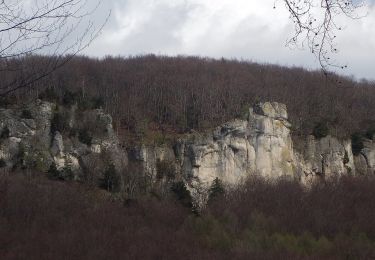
column 260, row 145
column 30, row 142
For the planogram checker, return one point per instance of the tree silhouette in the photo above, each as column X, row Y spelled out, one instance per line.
column 216, row 190
column 58, row 29
column 316, row 25
column 110, row 180
column 182, row 194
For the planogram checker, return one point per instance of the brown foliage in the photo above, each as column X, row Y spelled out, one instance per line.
column 42, row 219
column 327, row 208
column 178, row 93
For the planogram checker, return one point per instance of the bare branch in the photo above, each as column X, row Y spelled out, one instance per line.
column 316, row 25
column 59, row 29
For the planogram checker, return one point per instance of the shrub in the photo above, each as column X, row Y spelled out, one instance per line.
column 67, row 173
column 21, row 159
column 157, row 137
column 110, row 180
column 244, row 113
column 26, row 114
column 59, row 123
column 84, row 104
column 142, row 127
column 97, row 102
column 321, row 130
column 165, row 169
column 49, row 94
column 5, row 133
column 182, row 194
column 370, row 133
column 2, row 163
column 5, row 102
column 214, row 233
column 53, row 173
column 357, row 143
column 216, row 190
column 90, row 103
column 62, row 175
column 85, row 136
column 73, row 132
column 69, row 98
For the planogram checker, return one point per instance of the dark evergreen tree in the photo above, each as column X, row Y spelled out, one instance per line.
column 53, row 173
column 58, row 123
column 26, row 114
column 216, row 190
column 370, row 133
column 5, row 133
column 182, row 194
column 321, row 130
column 85, row 136
column 110, row 180
column 69, row 98
column 357, row 143
column 2, row 163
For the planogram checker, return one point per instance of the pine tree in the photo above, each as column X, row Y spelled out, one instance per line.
column 182, row 194
column 216, row 190
column 110, row 180
column 53, row 173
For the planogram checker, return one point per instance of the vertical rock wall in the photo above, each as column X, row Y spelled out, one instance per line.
column 28, row 141
column 260, row 145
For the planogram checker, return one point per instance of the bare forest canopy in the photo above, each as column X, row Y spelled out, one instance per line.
column 259, row 220
column 177, row 94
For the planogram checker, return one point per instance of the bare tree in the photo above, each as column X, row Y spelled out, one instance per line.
column 57, row 29
column 317, row 24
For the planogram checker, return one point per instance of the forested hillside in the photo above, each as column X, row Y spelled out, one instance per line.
column 131, row 212
column 175, row 94
column 41, row 219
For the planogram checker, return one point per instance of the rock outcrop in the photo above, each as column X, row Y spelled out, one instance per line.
column 365, row 160
column 260, row 145
column 42, row 134
column 83, row 143
column 326, row 157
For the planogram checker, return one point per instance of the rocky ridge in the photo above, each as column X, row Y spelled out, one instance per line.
column 259, row 145
column 81, row 143
column 42, row 134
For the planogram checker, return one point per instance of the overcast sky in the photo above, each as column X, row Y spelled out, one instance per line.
column 242, row 29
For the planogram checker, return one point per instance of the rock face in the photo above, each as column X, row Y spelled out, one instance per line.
column 326, row 157
column 149, row 156
column 365, row 160
column 43, row 134
column 260, row 145
column 83, row 143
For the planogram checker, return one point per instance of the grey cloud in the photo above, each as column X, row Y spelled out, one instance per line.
column 196, row 27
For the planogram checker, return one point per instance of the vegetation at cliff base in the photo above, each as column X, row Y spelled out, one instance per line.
column 258, row 220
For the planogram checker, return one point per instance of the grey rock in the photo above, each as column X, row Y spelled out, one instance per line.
column 32, row 140
column 365, row 161
column 326, row 158
column 57, row 148
column 260, row 145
